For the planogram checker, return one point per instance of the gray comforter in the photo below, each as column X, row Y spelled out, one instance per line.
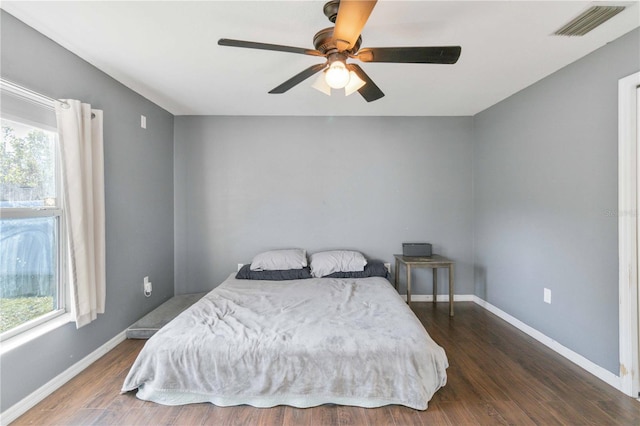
column 301, row 343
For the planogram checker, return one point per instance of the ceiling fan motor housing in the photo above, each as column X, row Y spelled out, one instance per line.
column 324, row 43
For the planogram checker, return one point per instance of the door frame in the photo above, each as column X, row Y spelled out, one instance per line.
column 628, row 232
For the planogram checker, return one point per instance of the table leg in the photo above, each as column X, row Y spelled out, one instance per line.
column 408, row 284
column 451, row 290
column 395, row 282
column 435, row 285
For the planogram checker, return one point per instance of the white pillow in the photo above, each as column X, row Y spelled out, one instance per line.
column 279, row 260
column 327, row 262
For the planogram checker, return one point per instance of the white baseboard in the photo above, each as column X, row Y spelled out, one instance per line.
column 52, row 385
column 601, row 373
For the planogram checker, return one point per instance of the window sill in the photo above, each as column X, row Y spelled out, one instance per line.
column 33, row 333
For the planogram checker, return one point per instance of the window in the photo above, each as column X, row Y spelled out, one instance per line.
column 31, row 225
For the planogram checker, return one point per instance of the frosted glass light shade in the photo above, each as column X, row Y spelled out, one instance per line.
column 321, row 85
column 354, row 84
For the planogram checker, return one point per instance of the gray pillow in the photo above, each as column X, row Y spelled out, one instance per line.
column 373, row 268
column 245, row 273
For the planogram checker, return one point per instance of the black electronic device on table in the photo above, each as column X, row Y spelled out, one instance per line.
column 416, row 249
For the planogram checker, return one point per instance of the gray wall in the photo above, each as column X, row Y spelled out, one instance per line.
column 248, row 184
column 139, row 202
column 545, row 182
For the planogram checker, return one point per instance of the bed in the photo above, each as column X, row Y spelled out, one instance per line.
column 303, row 343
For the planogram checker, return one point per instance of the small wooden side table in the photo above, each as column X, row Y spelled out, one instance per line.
column 434, row 262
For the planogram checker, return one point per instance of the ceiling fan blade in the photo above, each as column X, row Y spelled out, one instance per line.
column 370, row 92
column 298, row 78
column 411, row 55
column 267, row 46
column 352, row 15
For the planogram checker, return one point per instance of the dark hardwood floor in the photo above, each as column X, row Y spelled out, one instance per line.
column 497, row 375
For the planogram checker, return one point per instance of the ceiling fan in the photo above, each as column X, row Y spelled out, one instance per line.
column 341, row 42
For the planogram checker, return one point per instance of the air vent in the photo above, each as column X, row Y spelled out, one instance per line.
column 588, row 20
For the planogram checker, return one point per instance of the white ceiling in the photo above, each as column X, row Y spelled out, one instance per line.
column 167, row 51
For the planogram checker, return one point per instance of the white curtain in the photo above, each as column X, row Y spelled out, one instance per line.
column 82, row 159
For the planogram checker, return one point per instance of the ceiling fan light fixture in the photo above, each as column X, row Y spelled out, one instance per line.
column 355, row 84
column 337, row 75
column 321, row 85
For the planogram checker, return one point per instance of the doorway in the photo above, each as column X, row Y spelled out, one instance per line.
column 629, row 231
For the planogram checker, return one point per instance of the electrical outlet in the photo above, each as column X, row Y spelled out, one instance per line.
column 547, row 295
column 143, row 121
column 147, row 286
